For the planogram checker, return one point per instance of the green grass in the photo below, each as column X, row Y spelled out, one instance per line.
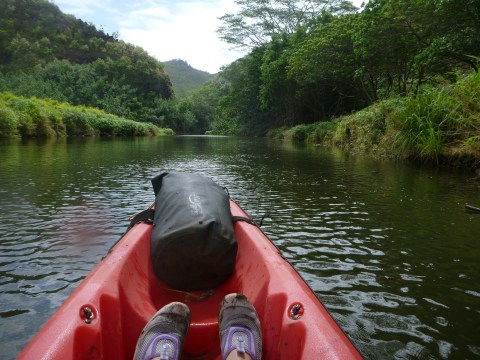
column 277, row 134
column 298, row 133
column 441, row 122
column 322, row 132
column 438, row 124
column 26, row 118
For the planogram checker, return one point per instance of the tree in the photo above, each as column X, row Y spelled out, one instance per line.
column 324, row 66
column 241, row 104
column 401, row 44
column 257, row 21
column 454, row 35
column 385, row 43
column 277, row 90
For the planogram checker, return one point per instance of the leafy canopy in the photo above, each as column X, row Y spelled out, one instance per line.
column 257, row 21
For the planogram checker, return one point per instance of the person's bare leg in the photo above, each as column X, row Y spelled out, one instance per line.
column 235, row 355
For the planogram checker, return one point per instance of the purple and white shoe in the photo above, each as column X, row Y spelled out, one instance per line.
column 163, row 336
column 239, row 327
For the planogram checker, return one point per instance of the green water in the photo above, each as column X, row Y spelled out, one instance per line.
column 388, row 248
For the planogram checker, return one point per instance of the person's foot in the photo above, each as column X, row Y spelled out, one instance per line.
column 239, row 327
column 162, row 338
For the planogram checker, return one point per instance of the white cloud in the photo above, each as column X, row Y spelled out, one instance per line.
column 82, row 8
column 185, row 30
column 146, row 19
column 167, row 29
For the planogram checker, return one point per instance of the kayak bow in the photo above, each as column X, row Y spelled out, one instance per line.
column 104, row 316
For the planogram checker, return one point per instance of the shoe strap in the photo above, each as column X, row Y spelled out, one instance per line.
column 240, row 345
column 165, row 346
column 166, row 350
column 243, row 344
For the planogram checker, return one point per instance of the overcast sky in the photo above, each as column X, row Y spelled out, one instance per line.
column 167, row 29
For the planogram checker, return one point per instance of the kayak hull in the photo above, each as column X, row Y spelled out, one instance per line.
column 104, row 316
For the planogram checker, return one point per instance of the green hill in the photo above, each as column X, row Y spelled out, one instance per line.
column 48, row 54
column 185, row 78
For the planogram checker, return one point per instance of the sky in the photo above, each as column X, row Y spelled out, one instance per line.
column 166, row 29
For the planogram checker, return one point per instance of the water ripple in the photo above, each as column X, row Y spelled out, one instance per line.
column 384, row 247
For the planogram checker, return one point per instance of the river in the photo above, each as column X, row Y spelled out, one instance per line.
column 388, row 248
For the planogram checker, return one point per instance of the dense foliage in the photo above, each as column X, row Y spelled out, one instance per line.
column 185, row 79
column 48, row 54
column 257, row 21
column 416, row 60
column 343, row 61
column 437, row 123
column 21, row 117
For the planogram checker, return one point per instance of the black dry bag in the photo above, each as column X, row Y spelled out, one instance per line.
column 193, row 243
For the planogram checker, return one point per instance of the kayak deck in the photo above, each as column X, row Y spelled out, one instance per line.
column 123, row 293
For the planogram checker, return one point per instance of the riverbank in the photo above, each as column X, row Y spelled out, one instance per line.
column 439, row 125
column 45, row 118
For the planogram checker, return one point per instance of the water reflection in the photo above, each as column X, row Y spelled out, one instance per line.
column 387, row 248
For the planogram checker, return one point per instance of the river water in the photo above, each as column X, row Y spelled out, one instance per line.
column 388, row 248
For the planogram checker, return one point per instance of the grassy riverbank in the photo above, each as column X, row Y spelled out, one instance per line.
column 438, row 125
column 26, row 118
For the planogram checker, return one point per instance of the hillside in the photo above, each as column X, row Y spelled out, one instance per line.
column 36, row 32
column 48, row 54
column 185, row 78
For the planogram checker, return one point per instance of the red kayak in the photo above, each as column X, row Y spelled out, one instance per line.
column 104, row 316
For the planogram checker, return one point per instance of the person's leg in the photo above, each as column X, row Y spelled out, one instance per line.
column 163, row 336
column 234, row 355
column 240, row 331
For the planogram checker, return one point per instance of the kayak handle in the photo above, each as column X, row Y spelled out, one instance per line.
column 296, row 311
column 88, row 315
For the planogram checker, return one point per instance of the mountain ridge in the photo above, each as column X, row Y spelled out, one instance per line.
column 185, row 79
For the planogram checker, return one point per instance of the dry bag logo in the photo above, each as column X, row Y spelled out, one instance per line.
column 195, row 204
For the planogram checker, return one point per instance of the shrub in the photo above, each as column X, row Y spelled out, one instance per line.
column 152, row 130
column 165, row 132
column 57, row 124
column 43, row 127
column 25, row 126
column 277, row 134
column 299, row 133
column 427, row 122
column 49, row 118
column 8, row 123
column 322, row 132
column 40, row 124
column 104, row 125
column 77, row 124
column 125, row 129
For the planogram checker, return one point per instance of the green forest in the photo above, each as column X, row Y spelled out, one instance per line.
column 185, row 79
column 395, row 78
column 46, row 54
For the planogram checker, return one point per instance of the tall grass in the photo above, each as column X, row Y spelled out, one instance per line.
column 437, row 124
column 8, row 122
column 366, row 131
column 298, row 133
column 423, row 123
column 441, row 122
column 323, row 132
column 21, row 117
